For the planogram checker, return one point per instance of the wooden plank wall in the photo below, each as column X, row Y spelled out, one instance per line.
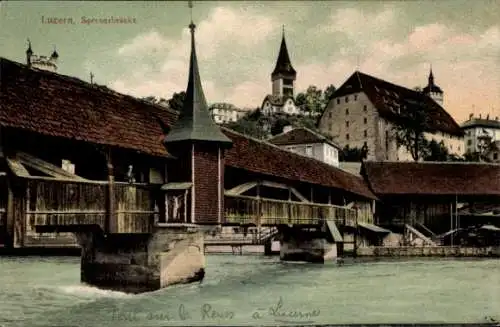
column 247, row 210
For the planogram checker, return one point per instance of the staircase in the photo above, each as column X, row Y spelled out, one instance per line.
column 413, row 232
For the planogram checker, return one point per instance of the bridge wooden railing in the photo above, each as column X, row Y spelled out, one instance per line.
column 51, row 202
column 241, row 209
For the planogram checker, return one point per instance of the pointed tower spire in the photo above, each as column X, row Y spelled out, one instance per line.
column 431, row 77
column 195, row 123
column 283, row 64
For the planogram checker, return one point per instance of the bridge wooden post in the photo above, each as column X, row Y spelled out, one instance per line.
column 111, row 223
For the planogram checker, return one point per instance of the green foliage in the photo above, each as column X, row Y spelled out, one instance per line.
column 410, row 126
column 435, row 151
column 252, row 124
column 155, row 100
column 353, row 154
column 314, row 100
column 177, row 101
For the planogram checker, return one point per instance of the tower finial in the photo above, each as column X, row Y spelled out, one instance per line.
column 283, row 30
column 190, row 5
column 91, row 78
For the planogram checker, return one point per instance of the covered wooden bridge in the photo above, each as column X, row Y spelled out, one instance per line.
column 122, row 165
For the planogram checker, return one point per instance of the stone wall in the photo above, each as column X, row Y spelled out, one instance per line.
column 172, row 254
column 436, row 251
column 361, row 116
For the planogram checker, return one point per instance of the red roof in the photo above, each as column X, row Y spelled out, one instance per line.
column 63, row 106
column 265, row 158
column 433, row 178
column 388, row 97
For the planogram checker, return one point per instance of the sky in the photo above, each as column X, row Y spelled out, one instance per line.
column 238, row 41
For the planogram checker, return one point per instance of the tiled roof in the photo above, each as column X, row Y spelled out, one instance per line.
column 388, row 97
column 264, row 158
column 63, row 106
column 481, row 122
column 300, row 135
column 433, row 178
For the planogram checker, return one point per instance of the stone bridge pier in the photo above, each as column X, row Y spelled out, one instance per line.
column 136, row 263
column 316, row 245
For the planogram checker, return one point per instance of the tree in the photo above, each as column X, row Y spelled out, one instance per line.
column 328, row 94
column 252, row 124
column 436, row 152
column 410, row 126
column 311, row 101
column 177, row 101
column 155, row 100
column 353, row 154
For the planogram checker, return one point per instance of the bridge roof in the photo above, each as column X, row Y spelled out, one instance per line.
column 262, row 157
column 433, row 178
column 62, row 106
column 57, row 105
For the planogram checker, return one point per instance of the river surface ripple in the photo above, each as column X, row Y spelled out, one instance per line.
column 257, row 290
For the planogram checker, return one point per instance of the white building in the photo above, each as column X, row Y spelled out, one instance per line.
column 223, row 113
column 283, row 86
column 41, row 62
column 308, row 143
column 363, row 110
column 478, row 127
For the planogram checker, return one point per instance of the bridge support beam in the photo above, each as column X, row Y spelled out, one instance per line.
column 299, row 244
column 137, row 263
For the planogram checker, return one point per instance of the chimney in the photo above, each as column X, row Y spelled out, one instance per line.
column 479, row 116
column 496, row 118
column 487, row 116
column 470, row 116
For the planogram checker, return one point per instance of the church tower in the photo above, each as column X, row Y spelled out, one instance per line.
column 283, row 77
column 433, row 91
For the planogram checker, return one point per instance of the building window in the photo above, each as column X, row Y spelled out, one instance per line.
column 347, row 124
column 330, row 115
column 355, row 97
column 309, row 150
column 495, row 156
column 365, row 120
column 469, row 142
column 346, row 99
column 347, row 137
column 365, row 108
column 366, row 133
column 347, row 111
column 338, row 101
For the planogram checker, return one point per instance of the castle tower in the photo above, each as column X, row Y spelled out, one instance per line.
column 41, row 62
column 283, row 77
column 198, row 144
column 432, row 90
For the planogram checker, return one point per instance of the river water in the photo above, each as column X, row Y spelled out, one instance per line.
column 257, row 290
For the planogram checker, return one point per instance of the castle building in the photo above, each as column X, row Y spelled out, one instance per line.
column 283, row 85
column 362, row 113
column 41, row 62
column 477, row 128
